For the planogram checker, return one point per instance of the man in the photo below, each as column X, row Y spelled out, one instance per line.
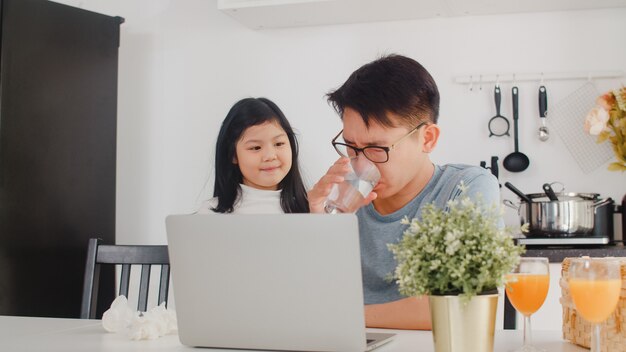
column 389, row 110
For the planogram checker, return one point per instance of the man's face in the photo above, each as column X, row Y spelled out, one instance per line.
column 399, row 173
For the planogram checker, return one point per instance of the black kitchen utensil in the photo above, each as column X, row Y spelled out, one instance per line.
column 494, row 167
column 498, row 125
column 544, row 134
column 550, row 192
column 519, row 193
column 516, row 161
column 623, row 210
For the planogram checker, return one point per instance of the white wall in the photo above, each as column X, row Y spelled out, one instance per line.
column 183, row 64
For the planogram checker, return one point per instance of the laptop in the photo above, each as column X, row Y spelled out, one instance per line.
column 269, row 282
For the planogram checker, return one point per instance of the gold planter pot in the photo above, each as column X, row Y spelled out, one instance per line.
column 463, row 327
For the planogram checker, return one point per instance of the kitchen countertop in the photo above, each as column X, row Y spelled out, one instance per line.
column 556, row 254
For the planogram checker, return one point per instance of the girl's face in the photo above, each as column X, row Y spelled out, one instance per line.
column 263, row 154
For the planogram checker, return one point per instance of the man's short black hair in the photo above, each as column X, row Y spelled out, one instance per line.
column 392, row 84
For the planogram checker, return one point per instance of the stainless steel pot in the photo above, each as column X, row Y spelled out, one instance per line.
column 572, row 215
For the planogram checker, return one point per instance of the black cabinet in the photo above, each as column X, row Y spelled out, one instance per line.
column 58, row 120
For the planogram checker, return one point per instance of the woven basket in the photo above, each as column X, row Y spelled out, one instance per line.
column 578, row 331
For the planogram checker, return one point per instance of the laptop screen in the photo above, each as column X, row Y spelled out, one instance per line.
column 279, row 282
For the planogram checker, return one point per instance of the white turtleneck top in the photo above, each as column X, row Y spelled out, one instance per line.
column 250, row 201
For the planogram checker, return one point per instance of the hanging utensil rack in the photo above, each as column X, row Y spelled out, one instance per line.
column 535, row 76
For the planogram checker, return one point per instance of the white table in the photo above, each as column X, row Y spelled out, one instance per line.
column 51, row 334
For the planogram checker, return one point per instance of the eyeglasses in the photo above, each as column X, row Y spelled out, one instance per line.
column 374, row 153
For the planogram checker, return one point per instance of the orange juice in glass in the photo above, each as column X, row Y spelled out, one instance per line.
column 595, row 300
column 527, row 292
column 595, row 285
column 527, row 288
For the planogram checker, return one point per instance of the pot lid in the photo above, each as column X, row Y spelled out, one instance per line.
column 566, row 196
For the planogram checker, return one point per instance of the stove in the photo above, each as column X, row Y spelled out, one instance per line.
column 562, row 241
column 601, row 235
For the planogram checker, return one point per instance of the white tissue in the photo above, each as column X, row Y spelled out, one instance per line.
column 143, row 329
column 156, row 322
column 119, row 316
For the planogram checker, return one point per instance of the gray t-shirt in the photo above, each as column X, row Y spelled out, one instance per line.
column 376, row 230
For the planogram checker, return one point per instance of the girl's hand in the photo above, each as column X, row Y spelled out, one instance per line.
column 320, row 191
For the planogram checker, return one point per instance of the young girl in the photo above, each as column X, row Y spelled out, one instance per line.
column 256, row 163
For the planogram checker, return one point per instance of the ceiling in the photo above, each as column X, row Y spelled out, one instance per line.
column 259, row 14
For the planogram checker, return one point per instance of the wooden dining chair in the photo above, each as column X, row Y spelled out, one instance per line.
column 126, row 256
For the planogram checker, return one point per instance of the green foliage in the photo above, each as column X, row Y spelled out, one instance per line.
column 463, row 251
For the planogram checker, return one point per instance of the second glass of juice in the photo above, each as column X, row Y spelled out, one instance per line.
column 527, row 288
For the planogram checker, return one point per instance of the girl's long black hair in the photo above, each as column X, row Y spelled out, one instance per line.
column 246, row 113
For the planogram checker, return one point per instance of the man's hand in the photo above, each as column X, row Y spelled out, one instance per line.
column 411, row 313
column 320, row 191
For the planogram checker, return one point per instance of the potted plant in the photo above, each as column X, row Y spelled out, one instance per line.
column 458, row 256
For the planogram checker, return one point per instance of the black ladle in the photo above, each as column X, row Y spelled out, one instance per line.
column 550, row 192
column 519, row 193
column 516, row 161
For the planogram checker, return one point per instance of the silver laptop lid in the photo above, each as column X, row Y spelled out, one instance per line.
column 277, row 282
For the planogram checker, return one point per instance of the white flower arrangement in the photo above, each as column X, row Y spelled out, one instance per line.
column 462, row 251
column 607, row 120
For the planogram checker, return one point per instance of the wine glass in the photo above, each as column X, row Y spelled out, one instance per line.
column 595, row 285
column 527, row 287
